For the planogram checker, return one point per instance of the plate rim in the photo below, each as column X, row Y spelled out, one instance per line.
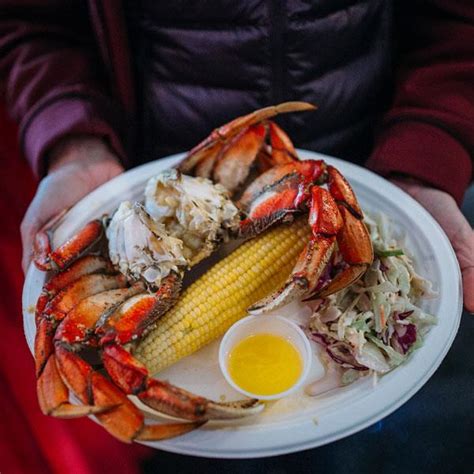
column 344, row 431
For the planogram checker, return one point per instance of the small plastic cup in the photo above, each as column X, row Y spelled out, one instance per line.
column 276, row 325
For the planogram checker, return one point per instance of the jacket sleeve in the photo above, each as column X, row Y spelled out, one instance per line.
column 52, row 78
column 429, row 131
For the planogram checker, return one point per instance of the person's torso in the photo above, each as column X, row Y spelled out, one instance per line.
column 199, row 64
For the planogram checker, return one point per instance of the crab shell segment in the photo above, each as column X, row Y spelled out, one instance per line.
column 46, row 259
column 229, row 153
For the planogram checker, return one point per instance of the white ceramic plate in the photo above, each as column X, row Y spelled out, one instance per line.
column 298, row 422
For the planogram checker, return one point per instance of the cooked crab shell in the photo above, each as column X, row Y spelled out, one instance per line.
column 141, row 247
column 194, row 210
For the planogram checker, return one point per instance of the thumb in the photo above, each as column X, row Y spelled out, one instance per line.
column 463, row 244
column 30, row 227
column 468, row 282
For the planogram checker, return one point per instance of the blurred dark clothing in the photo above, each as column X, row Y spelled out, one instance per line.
column 66, row 68
column 201, row 66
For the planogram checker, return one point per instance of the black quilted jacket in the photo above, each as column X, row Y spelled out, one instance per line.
column 201, row 63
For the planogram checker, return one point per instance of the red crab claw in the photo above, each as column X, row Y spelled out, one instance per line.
column 334, row 215
column 63, row 282
column 84, row 286
column 53, row 395
column 120, row 417
column 62, row 303
column 84, row 266
column 68, row 294
column 133, row 378
column 232, row 165
column 282, row 148
column 242, row 147
column 325, row 221
column 225, row 132
column 47, row 259
column 128, row 323
column 228, row 153
column 132, row 319
column 353, row 240
column 278, row 193
column 78, row 326
column 115, row 412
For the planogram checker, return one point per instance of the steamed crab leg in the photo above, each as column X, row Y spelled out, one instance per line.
column 47, row 259
column 282, row 149
column 232, row 165
column 325, row 221
column 64, row 301
column 83, row 266
column 134, row 379
column 353, row 240
column 278, row 193
column 53, row 395
column 113, row 409
column 117, row 414
column 334, row 216
column 125, row 325
column 243, row 138
column 92, row 322
column 45, row 325
column 52, row 392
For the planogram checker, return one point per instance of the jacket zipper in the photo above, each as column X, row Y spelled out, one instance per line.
column 277, row 31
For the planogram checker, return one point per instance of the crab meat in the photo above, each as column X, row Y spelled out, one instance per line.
column 193, row 210
column 180, row 223
column 141, row 247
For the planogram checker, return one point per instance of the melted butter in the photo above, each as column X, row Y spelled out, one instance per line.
column 265, row 364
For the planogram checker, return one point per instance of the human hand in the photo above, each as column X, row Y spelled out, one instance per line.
column 77, row 165
column 445, row 210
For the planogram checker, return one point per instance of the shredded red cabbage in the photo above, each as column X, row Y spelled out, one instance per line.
column 341, row 353
column 320, row 338
column 405, row 336
column 404, row 315
column 383, row 267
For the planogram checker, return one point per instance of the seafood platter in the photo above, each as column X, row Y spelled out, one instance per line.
column 244, row 299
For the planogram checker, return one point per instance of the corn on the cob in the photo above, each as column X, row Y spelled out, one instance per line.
column 222, row 295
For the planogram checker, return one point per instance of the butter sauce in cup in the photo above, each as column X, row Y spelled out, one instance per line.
column 265, row 357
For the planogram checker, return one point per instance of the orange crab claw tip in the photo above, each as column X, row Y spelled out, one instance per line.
column 78, row 244
column 289, row 292
column 295, row 106
column 67, row 410
column 344, row 279
column 166, row 431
